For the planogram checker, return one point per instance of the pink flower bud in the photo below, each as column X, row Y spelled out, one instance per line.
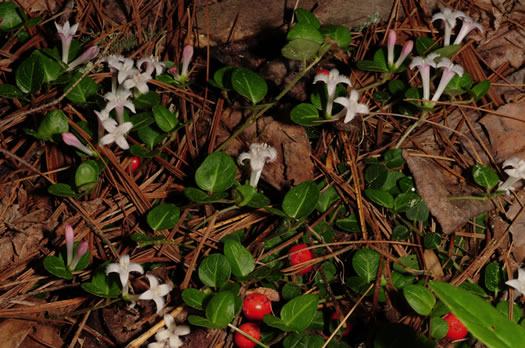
column 81, row 251
column 391, row 43
column 85, row 57
column 71, row 140
column 187, row 53
column 70, row 240
column 407, row 48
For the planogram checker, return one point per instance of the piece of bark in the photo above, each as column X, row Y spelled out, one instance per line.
column 435, row 186
column 507, row 135
column 234, row 20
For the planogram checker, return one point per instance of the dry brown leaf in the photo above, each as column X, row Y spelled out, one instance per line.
column 43, row 333
column 432, row 264
column 435, row 186
column 272, row 294
column 13, row 332
column 507, row 135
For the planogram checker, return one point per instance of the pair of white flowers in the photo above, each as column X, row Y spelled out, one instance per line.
column 351, row 103
column 449, row 18
column 156, row 291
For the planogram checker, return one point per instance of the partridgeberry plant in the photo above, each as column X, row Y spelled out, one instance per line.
column 199, row 220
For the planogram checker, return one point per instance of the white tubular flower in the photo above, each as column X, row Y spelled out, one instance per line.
column 156, row 292
column 139, row 81
column 71, row 140
column 124, row 268
column 449, row 18
column 169, row 338
column 66, row 33
column 518, row 284
column 332, row 79
column 449, row 70
column 152, row 64
column 125, row 69
column 467, row 26
column 424, row 65
column 352, row 105
column 258, row 155
column 117, row 134
column 85, row 57
column 118, row 101
column 516, row 172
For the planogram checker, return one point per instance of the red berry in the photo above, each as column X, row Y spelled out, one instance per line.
column 456, row 329
column 135, row 163
column 301, row 256
column 323, row 72
column 251, row 329
column 256, row 306
column 335, row 316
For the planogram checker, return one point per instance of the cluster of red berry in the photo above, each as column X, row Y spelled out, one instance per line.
column 255, row 306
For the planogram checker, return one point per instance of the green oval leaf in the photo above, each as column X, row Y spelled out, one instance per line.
column 380, row 60
column 223, row 77
column 199, row 196
column 493, row 277
column 52, row 69
column 9, row 17
column 419, row 298
column 349, row 224
column 10, row 91
column 165, row 119
column 366, row 263
column 216, row 173
column 419, row 212
column 249, row 84
column 480, row 89
column 432, row 240
column 306, row 32
column 150, row 136
column 401, row 232
column 163, row 216
column 61, row 190
column 301, row 200
column 55, row 122
column 57, row 267
column 439, row 328
column 194, row 298
column 307, row 17
column 448, row 51
column 300, row 49
column 86, row 173
column 103, row 286
column 299, row 312
column 394, row 158
column 241, row 260
column 368, row 65
column 405, row 201
column 220, row 310
column 214, row 270
column 376, row 175
column 481, row 319
column 305, row 114
column 380, row 197
column 85, row 89
column 30, row 75
column 339, row 34
column 484, row 176
column 423, row 45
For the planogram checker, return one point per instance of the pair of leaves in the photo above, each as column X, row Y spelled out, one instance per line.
column 243, row 81
column 57, row 266
column 216, row 269
column 220, row 310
